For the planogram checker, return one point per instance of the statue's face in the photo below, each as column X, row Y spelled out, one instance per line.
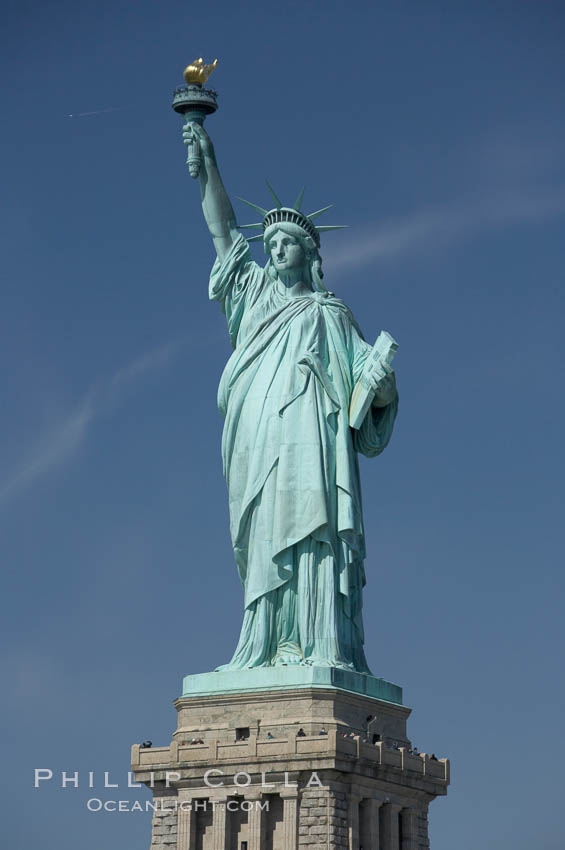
column 286, row 251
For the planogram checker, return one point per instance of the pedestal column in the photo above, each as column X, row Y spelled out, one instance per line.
column 290, row 819
column 353, row 821
column 220, row 824
column 186, row 825
column 369, row 834
column 255, row 823
column 408, row 818
column 390, row 836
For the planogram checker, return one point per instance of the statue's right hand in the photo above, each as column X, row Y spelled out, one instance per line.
column 193, row 131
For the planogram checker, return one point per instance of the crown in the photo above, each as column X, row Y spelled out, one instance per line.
column 293, row 215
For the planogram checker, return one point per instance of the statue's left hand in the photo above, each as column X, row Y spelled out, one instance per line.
column 383, row 382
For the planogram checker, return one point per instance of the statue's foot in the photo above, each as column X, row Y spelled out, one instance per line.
column 284, row 659
column 316, row 661
column 288, row 653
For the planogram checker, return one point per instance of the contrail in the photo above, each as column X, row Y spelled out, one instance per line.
column 437, row 227
column 53, row 447
column 98, row 111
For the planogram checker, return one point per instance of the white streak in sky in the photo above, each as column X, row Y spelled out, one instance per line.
column 430, row 229
column 59, row 443
column 98, row 111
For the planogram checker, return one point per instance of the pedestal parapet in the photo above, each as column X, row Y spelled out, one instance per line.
column 307, row 768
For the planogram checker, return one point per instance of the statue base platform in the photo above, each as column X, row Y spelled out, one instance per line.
column 289, row 678
column 295, row 767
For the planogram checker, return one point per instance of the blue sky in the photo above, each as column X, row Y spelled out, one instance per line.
column 437, row 129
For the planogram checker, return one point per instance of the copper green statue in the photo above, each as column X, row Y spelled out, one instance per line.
column 299, row 366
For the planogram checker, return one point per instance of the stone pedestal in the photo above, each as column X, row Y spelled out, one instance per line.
column 315, row 768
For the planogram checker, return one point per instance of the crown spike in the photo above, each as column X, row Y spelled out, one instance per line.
column 258, row 224
column 327, row 227
column 298, row 201
column 274, row 195
column 319, row 212
column 254, row 238
column 255, row 207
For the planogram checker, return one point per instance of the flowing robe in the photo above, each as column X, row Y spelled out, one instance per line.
column 290, row 462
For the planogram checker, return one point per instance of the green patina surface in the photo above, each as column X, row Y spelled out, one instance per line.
column 287, row 678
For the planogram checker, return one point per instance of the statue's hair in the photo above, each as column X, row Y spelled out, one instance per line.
column 313, row 258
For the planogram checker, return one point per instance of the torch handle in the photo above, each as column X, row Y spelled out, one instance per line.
column 193, row 158
column 193, row 149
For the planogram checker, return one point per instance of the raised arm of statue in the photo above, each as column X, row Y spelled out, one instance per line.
column 216, row 205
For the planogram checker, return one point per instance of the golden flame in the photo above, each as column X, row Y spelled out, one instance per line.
column 198, row 72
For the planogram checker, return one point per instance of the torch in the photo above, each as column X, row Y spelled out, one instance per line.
column 194, row 103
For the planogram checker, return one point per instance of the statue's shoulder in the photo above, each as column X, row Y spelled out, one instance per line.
column 340, row 313
column 332, row 302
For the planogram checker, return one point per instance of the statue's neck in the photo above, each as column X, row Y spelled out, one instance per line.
column 294, row 283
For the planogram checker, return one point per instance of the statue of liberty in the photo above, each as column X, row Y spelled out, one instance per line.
column 289, row 451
